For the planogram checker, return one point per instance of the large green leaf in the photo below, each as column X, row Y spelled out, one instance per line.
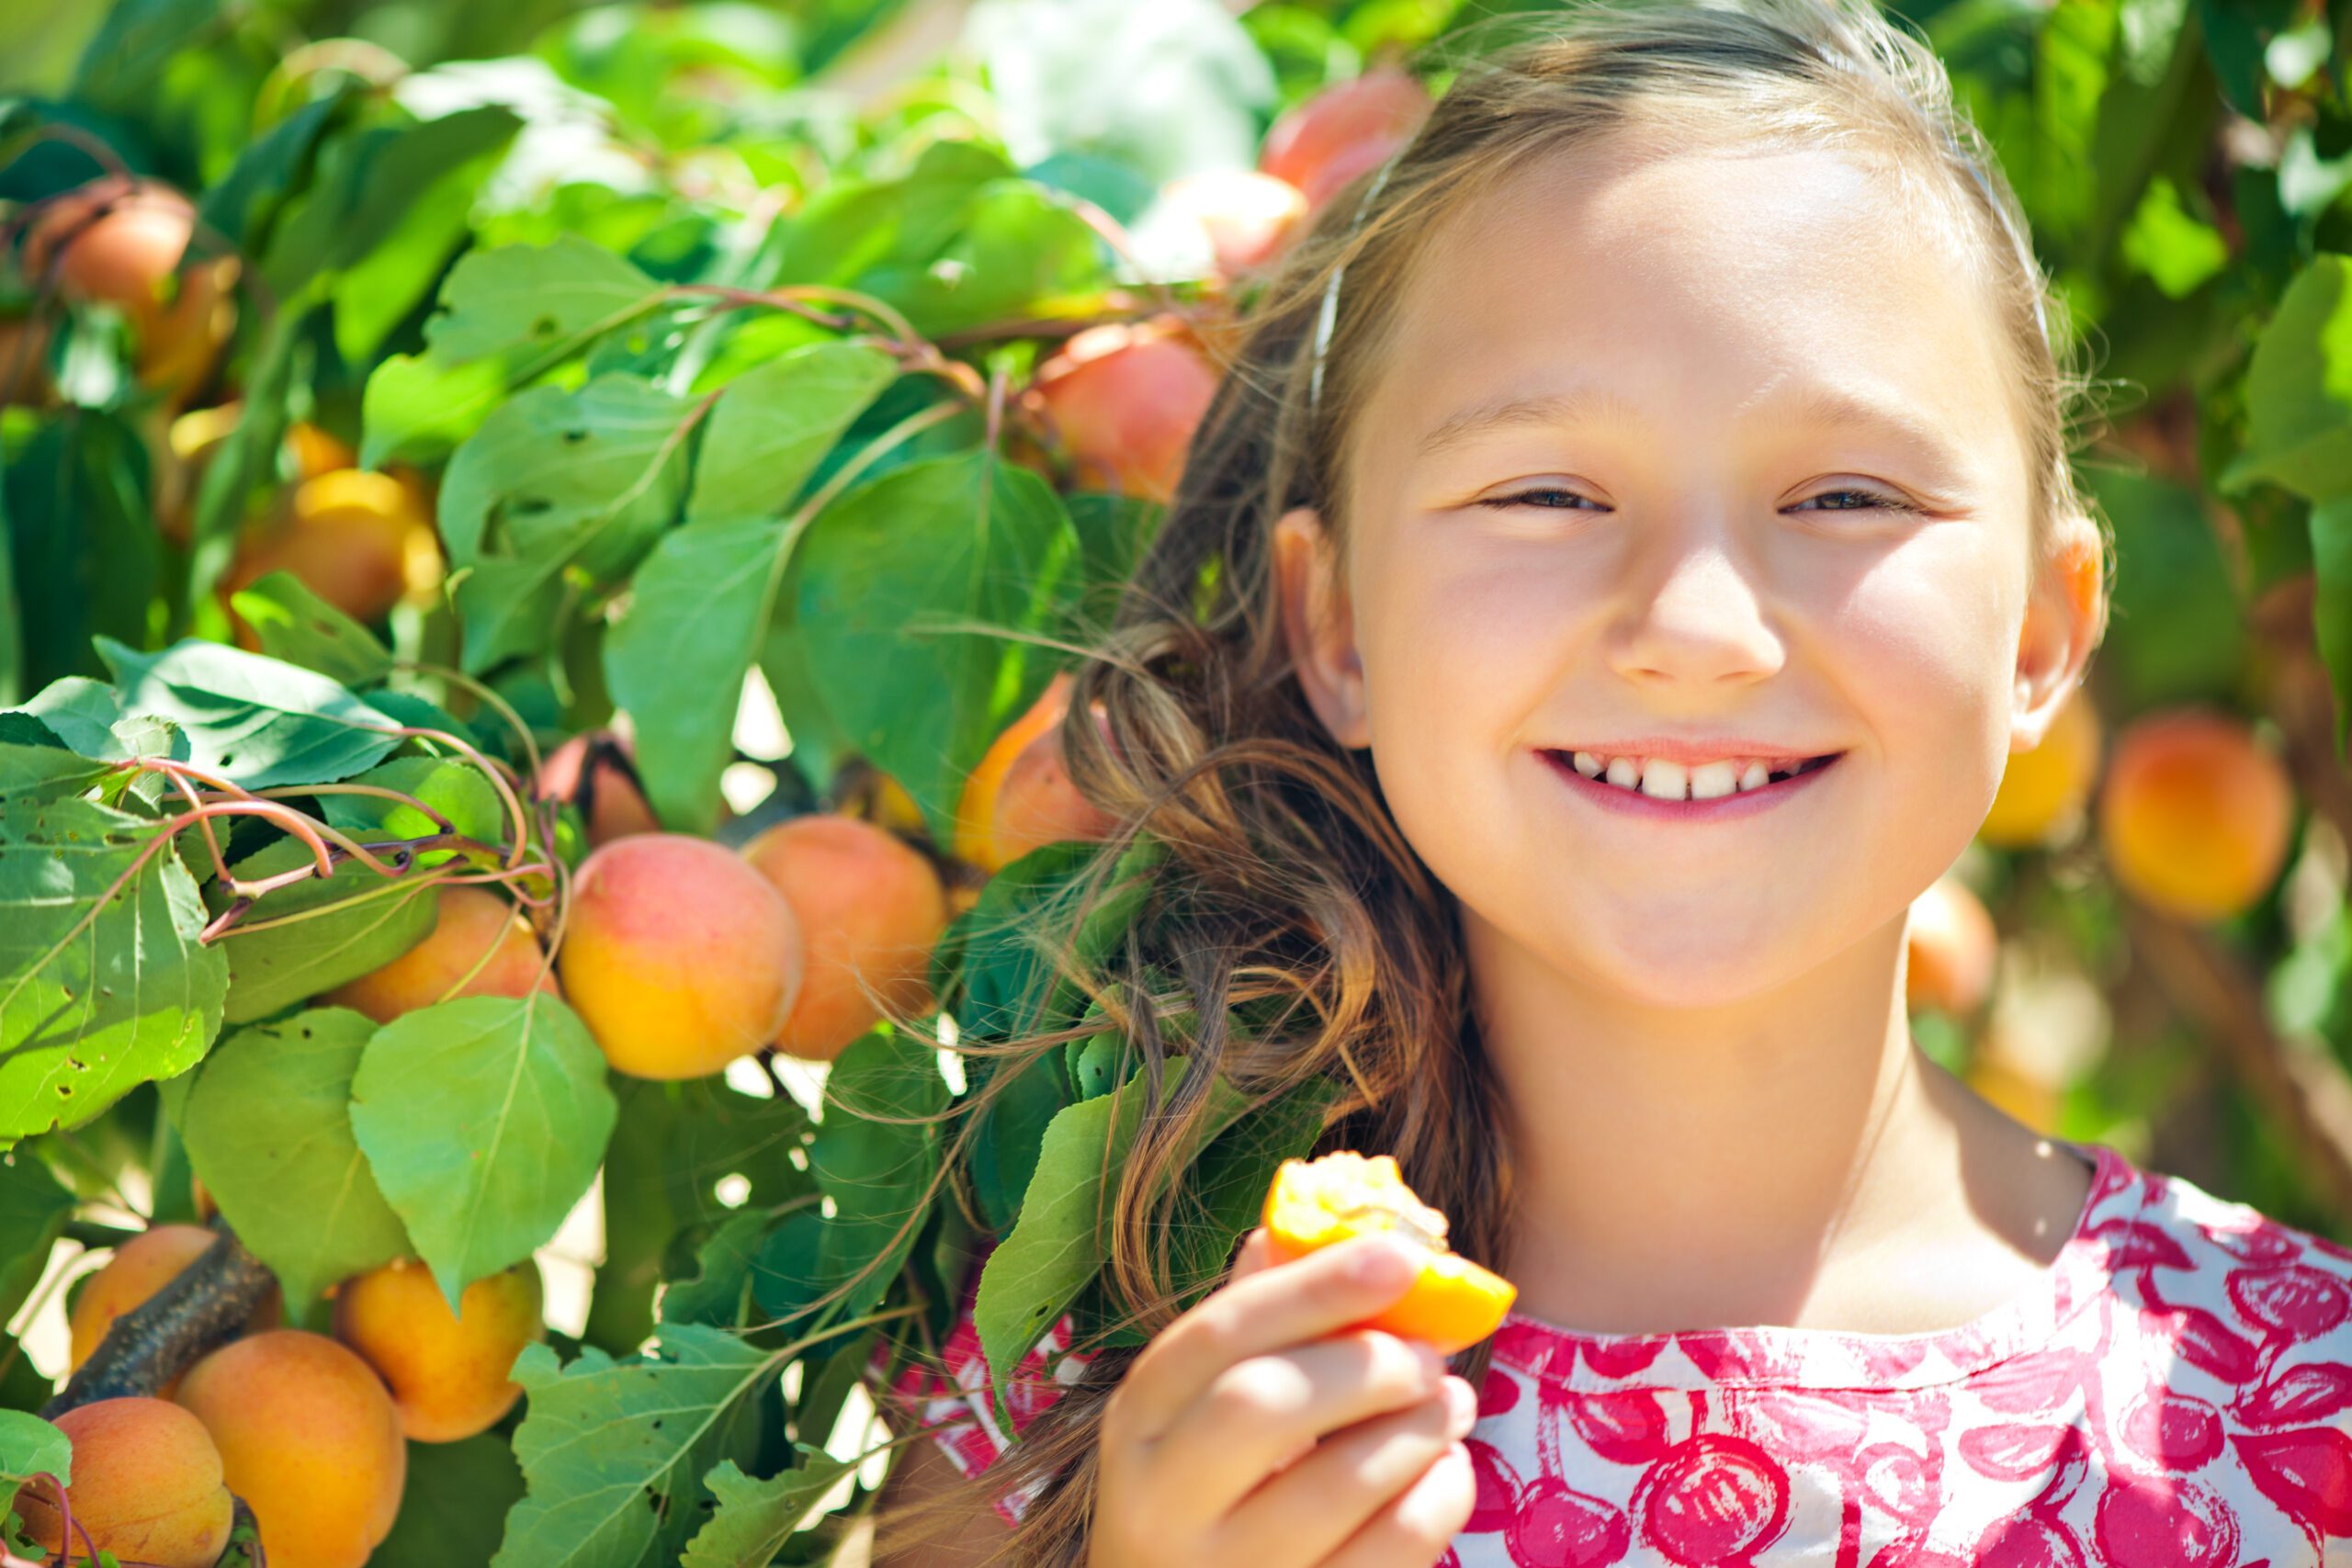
column 95, row 998
column 614, row 1452
column 2299, row 390
column 256, row 721
column 483, row 1120
column 756, row 1518
column 874, row 1162
column 556, row 481
column 910, row 596
column 297, row 626
column 548, row 301
column 269, row 1127
column 772, row 425
column 80, row 534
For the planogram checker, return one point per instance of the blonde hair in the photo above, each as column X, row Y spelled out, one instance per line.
column 1286, row 889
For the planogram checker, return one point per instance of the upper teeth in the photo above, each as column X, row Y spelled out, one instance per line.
column 1678, row 781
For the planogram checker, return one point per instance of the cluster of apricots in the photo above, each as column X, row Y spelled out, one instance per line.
column 122, row 242
column 1123, row 400
column 681, row 954
column 2194, row 813
column 310, row 1430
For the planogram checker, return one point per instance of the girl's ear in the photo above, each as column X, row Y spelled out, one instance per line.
column 2062, row 626
column 1318, row 623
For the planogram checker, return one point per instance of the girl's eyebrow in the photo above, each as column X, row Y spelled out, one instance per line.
column 1813, row 405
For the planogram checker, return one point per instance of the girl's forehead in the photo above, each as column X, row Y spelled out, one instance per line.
column 1672, row 272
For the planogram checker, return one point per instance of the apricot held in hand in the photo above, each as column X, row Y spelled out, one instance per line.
column 1314, row 1203
column 2196, row 815
column 475, row 933
column 139, row 1267
column 870, row 911
column 147, row 1487
column 309, row 1439
column 447, row 1373
column 678, row 956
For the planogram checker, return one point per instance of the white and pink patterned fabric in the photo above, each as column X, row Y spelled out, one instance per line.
column 2176, row 1392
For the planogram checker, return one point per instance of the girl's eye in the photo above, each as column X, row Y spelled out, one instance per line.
column 1554, row 498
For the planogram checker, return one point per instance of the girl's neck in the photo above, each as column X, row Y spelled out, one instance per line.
column 1797, row 1161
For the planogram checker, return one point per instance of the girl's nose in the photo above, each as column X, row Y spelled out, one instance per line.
column 1699, row 620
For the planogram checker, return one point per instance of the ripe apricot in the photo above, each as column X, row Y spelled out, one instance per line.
column 1314, row 1203
column 592, row 770
column 2042, row 789
column 1247, row 216
column 1020, row 795
column 470, row 927
column 1949, row 946
column 139, row 1267
column 1320, row 145
column 870, row 911
column 447, row 1371
column 309, row 1439
column 120, row 242
column 316, row 451
column 351, row 536
column 678, row 956
column 2195, row 815
column 1124, row 400
column 147, row 1487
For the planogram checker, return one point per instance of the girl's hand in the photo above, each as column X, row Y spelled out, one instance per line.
column 1260, row 1428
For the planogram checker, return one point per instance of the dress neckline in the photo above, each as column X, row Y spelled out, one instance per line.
column 1573, row 1360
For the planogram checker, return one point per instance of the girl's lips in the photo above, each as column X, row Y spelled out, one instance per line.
column 1632, row 803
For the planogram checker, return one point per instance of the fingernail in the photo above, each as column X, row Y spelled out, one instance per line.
column 1461, row 1405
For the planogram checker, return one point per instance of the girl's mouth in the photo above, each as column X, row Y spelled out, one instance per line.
column 1630, row 799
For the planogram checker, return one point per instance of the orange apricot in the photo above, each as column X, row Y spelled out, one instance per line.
column 1949, row 947
column 147, row 1487
column 2041, row 790
column 139, row 1267
column 1124, row 400
column 447, row 1371
column 678, row 956
column 870, row 909
column 1020, row 795
column 1316, row 1203
column 310, row 1439
column 1247, row 216
column 477, row 938
column 1320, row 145
column 348, row 535
column 316, row 451
column 121, row 241
column 2196, row 814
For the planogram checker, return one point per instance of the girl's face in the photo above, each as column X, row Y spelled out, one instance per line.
column 1695, row 447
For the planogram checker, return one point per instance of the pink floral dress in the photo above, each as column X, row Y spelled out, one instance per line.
column 2175, row 1393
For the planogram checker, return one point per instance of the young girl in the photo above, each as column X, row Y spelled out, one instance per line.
column 1637, row 531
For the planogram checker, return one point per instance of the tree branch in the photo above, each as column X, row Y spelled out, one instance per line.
column 204, row 1307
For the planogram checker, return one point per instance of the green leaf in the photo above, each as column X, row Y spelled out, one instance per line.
column 877, row 1171
column 453, row 1505
column 2299, row 390
column 613, row 1451
column 756, row 1518
column 33, row 1212
column 558, row 481
column 905, row 592
column 44, row 773
column 715, row 1293
column 95, row 998
column 416, row 409
column 2331, row 565
column 457, row 790
column 269, row 1127
column 2177, row 251
column 772, row 425
column 376, row 920
column 550, row 300
column 30, row 1446
column 256, row 721
column 483, row 1120
column 81, row 534
column 268, row 168
column 297, row 626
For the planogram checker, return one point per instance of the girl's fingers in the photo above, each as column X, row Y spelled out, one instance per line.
column 1414, row 1531
column 1275, row 1308
column 1324, row 1502
column 1261, row 1413
column 1255, row 1255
